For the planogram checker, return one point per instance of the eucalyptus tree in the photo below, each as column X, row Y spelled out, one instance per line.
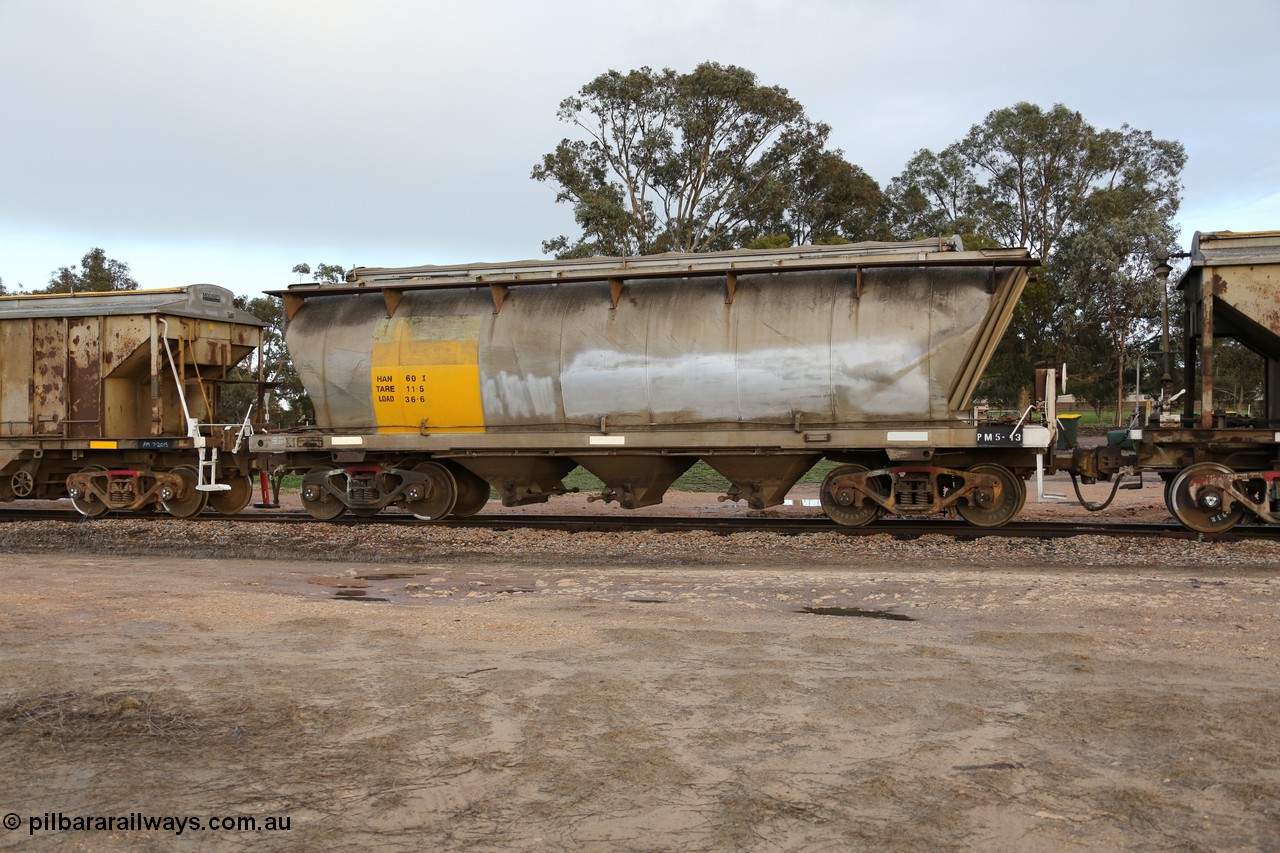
column 285, row 401
column 694, row 162
column 821, row 198
column 1091, row 204
column 96, row 274
column 323, row 273
column 936, row 194
column 328, row 273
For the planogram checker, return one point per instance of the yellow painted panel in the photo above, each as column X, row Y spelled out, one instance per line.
column 102, row 445
column 426, row 374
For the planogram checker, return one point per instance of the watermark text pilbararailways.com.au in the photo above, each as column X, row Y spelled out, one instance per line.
column 140, row 822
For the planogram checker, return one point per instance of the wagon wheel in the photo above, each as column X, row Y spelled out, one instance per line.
column 191, row 502
column 22, row 484
column 87, row 504
column 440, row 492
column 1022, row 491
column 840, row 506
column 473, row 493
column 321, row 504
column 993, row 507
column 237, row 498
column 1168, row 494
column 1214, row 512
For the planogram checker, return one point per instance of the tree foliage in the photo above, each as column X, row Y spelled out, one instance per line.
column 821, row 198
column 322, row 273
column 285, row 401
column 1092, row 204
column 936, row 194
column 697, row 162
column 329, row 273
column 96, row 273
column 1239, row 375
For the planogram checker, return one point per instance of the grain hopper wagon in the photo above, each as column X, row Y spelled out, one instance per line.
column 434, row 384
column 107, row 398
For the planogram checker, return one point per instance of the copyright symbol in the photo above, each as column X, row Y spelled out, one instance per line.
column 12, row 821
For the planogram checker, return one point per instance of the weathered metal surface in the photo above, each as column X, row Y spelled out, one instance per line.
column 87, row 395
column 761, row 481
column 84, row 377
column 84, row 366
column 620, row 270
column 196, row 301
column 49, row 375
column 1231, row 291
column 16, row 389
column 800, row 349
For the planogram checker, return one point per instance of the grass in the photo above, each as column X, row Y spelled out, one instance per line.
column 1089, row 418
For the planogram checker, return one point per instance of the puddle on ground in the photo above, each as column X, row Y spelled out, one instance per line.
column 355, row 595
column 856, row 611
column 337, row 582
column 351, row 593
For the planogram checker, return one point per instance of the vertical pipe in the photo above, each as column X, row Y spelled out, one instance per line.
column 182, row 363
column 157, row 414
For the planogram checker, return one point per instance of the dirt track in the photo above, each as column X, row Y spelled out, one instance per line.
column 631, row 708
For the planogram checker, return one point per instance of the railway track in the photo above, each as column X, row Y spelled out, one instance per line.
column 905, row 528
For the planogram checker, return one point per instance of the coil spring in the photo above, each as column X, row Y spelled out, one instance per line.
column 913, row 493
column 120, row 490
column 362, row 490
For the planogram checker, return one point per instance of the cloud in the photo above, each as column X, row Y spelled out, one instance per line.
column 384, row 130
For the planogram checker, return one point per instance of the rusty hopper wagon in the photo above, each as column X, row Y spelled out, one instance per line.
column 1219, row 468
column 104, row 398
column 433, row 384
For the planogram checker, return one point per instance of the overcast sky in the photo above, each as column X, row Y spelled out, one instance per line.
column 227, row 141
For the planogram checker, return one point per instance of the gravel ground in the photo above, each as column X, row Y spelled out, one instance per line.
column 390, row 543
column 404, row 688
